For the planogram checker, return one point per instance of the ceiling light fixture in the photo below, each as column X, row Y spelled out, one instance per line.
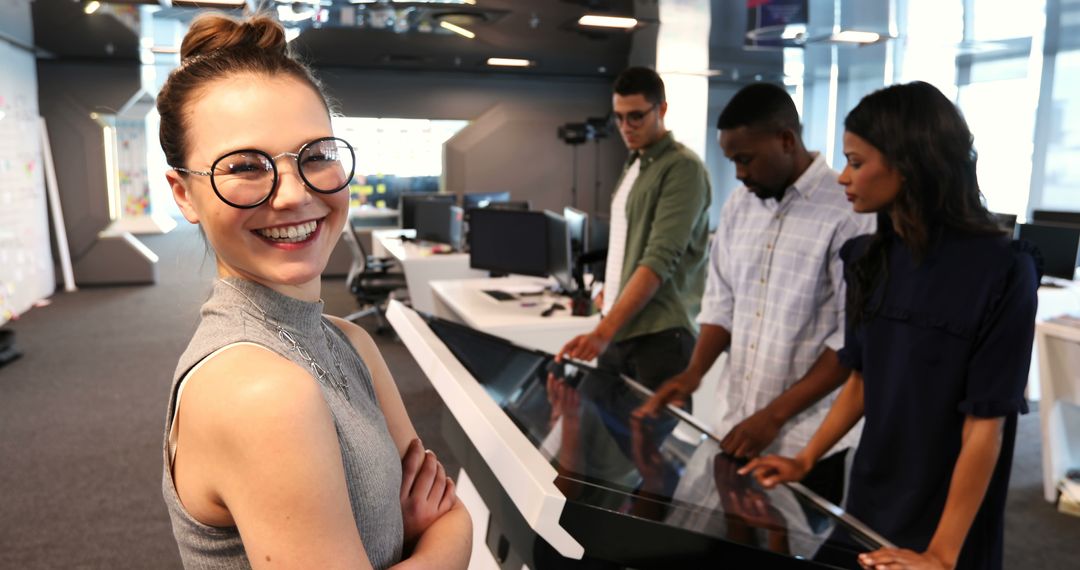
column 456, row 29
column 509, row 62
column 855, row 37
column 91, row 6
column 607, row 22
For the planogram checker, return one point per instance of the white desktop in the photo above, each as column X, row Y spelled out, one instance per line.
column 521, row 319
column 422, row 263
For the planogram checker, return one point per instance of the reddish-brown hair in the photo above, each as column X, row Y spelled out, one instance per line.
column 216, row 47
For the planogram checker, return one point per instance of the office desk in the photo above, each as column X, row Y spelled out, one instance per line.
column 519, row 320
column 1053, row 302
column 564, row 476
column 1059, row 409
column 421, row 265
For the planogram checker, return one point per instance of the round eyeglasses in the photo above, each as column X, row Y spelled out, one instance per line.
column 247, row 178
column 632, row 118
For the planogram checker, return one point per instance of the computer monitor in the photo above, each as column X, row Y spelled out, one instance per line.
column 438, row 221
column 1059, row 246
column 1055, row 217
column 407, row 206
column 577, row 222
column 508, row 241
column 560, row 259
column 515, row 205
column 483, row 199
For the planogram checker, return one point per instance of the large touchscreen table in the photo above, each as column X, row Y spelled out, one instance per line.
column 590, row 479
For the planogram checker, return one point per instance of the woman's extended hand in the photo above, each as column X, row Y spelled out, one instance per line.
column 900, row 559
column 772, row 470
column 426, row 492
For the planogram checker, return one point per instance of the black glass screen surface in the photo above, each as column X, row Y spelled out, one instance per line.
column 658, row 470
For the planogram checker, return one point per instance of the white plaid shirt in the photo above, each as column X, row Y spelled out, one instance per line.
column 776, row 282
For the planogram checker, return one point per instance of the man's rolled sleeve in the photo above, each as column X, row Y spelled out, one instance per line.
column 684, row 193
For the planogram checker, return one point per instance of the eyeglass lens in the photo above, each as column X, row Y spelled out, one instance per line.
column 246, row 178
column 632, row 118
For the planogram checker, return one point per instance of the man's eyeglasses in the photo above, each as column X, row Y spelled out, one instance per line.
column 247, row 178
column 633, row 118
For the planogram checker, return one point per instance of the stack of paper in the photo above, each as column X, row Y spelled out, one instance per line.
column 1069, row 499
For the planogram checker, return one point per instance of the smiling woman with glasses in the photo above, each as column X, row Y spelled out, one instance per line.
column 286, row 440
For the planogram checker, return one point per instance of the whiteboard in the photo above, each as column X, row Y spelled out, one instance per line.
column 26, row 264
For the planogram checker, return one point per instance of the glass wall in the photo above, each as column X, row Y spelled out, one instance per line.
column 1015, row 77
column 1056, row 184
column 394, row 156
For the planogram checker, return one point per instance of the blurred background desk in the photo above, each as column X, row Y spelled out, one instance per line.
column 1059, row 409
column 421, row 264
column 1053, row 302
column 518, row 320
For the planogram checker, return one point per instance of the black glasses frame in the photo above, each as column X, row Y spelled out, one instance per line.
column 633, row 118
column 273, row 167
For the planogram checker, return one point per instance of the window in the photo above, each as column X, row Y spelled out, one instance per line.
column 394, row 156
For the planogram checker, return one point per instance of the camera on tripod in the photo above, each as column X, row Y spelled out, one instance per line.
column 593, row 129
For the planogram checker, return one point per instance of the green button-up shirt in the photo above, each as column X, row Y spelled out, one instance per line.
column 667, row 231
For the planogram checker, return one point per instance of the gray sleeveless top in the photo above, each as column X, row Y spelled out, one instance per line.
column 371, row 461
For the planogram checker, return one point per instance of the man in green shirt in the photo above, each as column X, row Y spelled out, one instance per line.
column 656, row 251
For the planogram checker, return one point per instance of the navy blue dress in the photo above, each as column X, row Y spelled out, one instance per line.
column 948, row 337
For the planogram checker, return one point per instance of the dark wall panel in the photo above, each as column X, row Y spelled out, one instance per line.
column 67, row 94
column 513, row 145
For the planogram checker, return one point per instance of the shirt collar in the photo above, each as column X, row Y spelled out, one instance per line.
column 812, row 177
column 651, row 152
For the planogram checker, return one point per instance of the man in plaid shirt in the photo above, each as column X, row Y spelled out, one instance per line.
column 775, row 291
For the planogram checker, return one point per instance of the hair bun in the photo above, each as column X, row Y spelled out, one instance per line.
column 213, row 32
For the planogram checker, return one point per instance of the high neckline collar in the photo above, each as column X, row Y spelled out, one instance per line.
column 262, row 301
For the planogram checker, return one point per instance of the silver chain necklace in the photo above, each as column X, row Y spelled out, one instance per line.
column 341, row 383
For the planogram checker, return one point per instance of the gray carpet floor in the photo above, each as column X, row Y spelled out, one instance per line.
column 81, row 416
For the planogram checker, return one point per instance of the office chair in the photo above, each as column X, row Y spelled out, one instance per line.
column 370, row 281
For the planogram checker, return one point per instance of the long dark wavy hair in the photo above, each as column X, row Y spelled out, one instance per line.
column 925, row 138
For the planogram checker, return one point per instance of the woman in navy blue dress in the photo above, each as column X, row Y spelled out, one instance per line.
column 941, row 310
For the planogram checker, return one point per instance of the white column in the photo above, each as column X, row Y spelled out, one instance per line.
column 682, row 60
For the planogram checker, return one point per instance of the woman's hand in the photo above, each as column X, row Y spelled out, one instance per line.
column 426, row 492
column 565, row 402
column 900, row 559
column 772, row 470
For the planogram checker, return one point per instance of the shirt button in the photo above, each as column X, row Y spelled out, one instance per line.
column 751, row 347
column 758, row 314
column 747, row 376
column 768, row 246
column 762, row 280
